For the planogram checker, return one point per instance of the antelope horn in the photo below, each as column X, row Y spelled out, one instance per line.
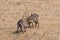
column 23, row 16
column 31, row 13
column 27, row 14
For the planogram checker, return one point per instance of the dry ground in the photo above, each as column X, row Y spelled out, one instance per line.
column 49, row 17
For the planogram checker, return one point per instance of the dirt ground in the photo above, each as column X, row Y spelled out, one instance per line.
column 49, row 19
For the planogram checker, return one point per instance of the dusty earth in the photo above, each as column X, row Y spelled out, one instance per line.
column 49, row 18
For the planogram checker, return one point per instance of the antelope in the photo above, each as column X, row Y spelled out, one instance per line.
column 33, row 18
column 22, row 24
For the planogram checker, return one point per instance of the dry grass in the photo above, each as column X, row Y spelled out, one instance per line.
column 49, row 15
